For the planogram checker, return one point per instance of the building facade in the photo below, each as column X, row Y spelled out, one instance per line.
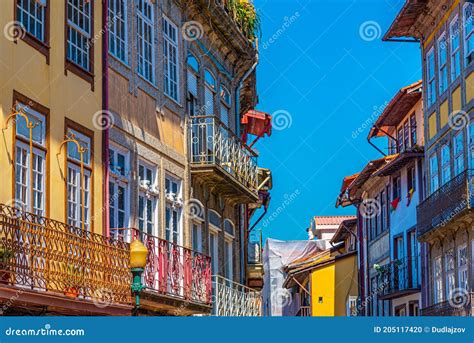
column 125, row 120
column 55, row 257
column 445, row 30
column 386, row 194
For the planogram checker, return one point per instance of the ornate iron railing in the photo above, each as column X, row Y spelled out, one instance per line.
column 400, row 275
column 454, row 307
column 173, row 270
column 304, row 311
column 231, row 299
column 213, row 143
column 45, row 255
column 447, row 202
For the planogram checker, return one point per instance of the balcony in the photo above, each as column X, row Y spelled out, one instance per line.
column 244, row 15
column 234, row 300
column 449, row 308
column 221, row 160
column 450, row 202
column 399, row 278
column 177, row 279
column 49, row 267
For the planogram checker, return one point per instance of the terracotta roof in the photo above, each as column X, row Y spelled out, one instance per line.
column 347, row 196
column 331, row 220
column 397, row 109
column 404, row 23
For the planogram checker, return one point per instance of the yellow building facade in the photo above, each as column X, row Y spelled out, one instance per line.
column 57, row 83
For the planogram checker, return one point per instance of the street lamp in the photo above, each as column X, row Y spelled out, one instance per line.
column 138, row 255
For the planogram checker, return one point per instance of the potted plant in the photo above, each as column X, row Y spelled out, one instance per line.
column 5, row 258
column 73, row 280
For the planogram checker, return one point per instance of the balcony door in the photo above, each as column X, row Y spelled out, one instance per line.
column 412, row 260
column 399, row 271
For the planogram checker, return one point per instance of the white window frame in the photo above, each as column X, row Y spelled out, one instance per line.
column 171, row 60
column 146, row 194
column 75, row 217
column 455, row 53
column 146, row 66
column 443, row 67
column 445, row 164
column 214, row 250
column 467, row 35
column 431, row 84
column 211, row 90
column 463, row 271
column 119, row 180
column 117, row 21
column 434, row 173
column 458, row 148
column 197, row 236
column 225, row 106
column 450, row 272
column 173, row 208
column 438, row 293
column 28, row 11
column 79, row 52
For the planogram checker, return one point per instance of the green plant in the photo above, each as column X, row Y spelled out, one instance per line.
column 5, row 255
column 245, row 15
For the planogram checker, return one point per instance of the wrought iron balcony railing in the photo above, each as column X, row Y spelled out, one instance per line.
column 304, row 311
column 232, row 299
column 173, row 270
column 45, row 255
column 214, row 144
column 447, row 202
column 450, row 308
column 399, row 277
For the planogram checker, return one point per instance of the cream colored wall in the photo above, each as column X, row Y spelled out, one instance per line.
column 24, row 69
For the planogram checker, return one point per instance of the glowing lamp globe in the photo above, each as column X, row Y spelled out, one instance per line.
column 138, row 254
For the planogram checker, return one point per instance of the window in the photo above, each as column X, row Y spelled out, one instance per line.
column 413, row 129
column 22, row 161
column 445, row 164
column 443, row 63
column 468, row 32
column 459, row 153
column 450, row 273
column 397, row 188
column 351, row 309
column 438, row 280
column 147, row 199
column 434, row 173
column 411, row 179
column 173, row 209
column 32, row 15
column 229, row 259
column 383, row 211
column 118, row 29
column 471, row 144
column 170, row 54
column 213, row 251
column 406, row 135
column 225, row 105
column 455, row 49
column 145, row 46
column 75, row 202
column 79, row 32
column 118, row 188
column 209, row 91
column 400, row 139
column 462, row 267
column 431, row 77
column 193, row 72
column 197, row 237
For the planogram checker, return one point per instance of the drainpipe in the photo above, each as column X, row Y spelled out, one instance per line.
column 239, row 88
column 105, row 113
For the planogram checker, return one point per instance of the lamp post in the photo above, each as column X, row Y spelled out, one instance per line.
column 138, row 256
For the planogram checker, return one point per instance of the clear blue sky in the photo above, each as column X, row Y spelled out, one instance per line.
column 326, row 70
